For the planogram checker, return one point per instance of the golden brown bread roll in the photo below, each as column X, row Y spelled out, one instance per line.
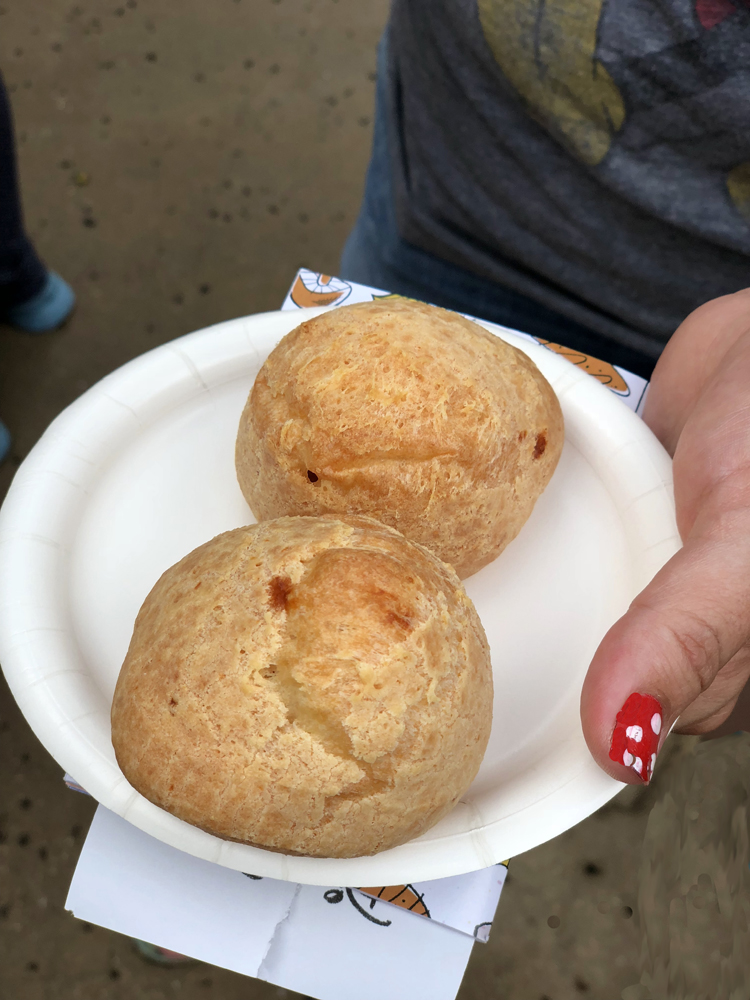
column 406, row 413
column 310, row 685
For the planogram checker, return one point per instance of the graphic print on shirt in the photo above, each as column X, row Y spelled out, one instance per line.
column 548, row 53
column 710, row 13
column 738, row 186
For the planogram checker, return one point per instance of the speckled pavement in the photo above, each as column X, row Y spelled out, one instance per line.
column 179, row 162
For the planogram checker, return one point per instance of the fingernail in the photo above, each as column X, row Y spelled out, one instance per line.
column 636, row 736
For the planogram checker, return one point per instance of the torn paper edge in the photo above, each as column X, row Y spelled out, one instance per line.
column 262, row 972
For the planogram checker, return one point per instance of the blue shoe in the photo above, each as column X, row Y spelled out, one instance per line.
column 47, row 310
column 4, row 441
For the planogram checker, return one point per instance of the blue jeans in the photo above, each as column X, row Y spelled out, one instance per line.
column 22, row 274
column 375, row 254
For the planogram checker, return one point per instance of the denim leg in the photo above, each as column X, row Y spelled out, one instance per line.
column 22, row 274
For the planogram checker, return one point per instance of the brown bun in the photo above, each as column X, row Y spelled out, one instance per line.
column 406, row 413
column 309, row 685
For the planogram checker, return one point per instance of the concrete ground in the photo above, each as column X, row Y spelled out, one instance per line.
column 179, row 162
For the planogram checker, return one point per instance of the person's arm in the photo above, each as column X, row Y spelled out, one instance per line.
column 684, row 642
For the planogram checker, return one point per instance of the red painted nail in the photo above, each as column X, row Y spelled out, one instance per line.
column 636, row 735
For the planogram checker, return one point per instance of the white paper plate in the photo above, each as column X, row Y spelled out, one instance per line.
column 140, row 470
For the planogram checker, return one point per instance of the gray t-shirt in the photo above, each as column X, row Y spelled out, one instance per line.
column 591, row 154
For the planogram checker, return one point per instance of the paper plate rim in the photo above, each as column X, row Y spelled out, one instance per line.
column 33, row 540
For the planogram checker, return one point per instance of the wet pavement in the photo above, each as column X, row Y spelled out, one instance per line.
column 179, row 162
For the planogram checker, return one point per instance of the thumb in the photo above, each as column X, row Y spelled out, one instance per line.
column 666, row 651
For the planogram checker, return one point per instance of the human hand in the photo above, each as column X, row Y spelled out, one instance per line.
column 682, row 650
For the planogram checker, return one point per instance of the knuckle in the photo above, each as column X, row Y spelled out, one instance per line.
column 700, row 646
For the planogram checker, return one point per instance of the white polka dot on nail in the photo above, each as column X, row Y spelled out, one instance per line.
column 638, row 765
column 634, row 733
column 653, row 760
column 656, row 723
column 627, row 758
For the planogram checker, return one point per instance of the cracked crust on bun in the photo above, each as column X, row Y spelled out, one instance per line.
column 315, row 686
column 406, row 413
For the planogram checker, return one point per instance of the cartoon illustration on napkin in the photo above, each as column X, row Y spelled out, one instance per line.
column 607, row 374
column 313, row 289
column 405, row 896
column 337, row 896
